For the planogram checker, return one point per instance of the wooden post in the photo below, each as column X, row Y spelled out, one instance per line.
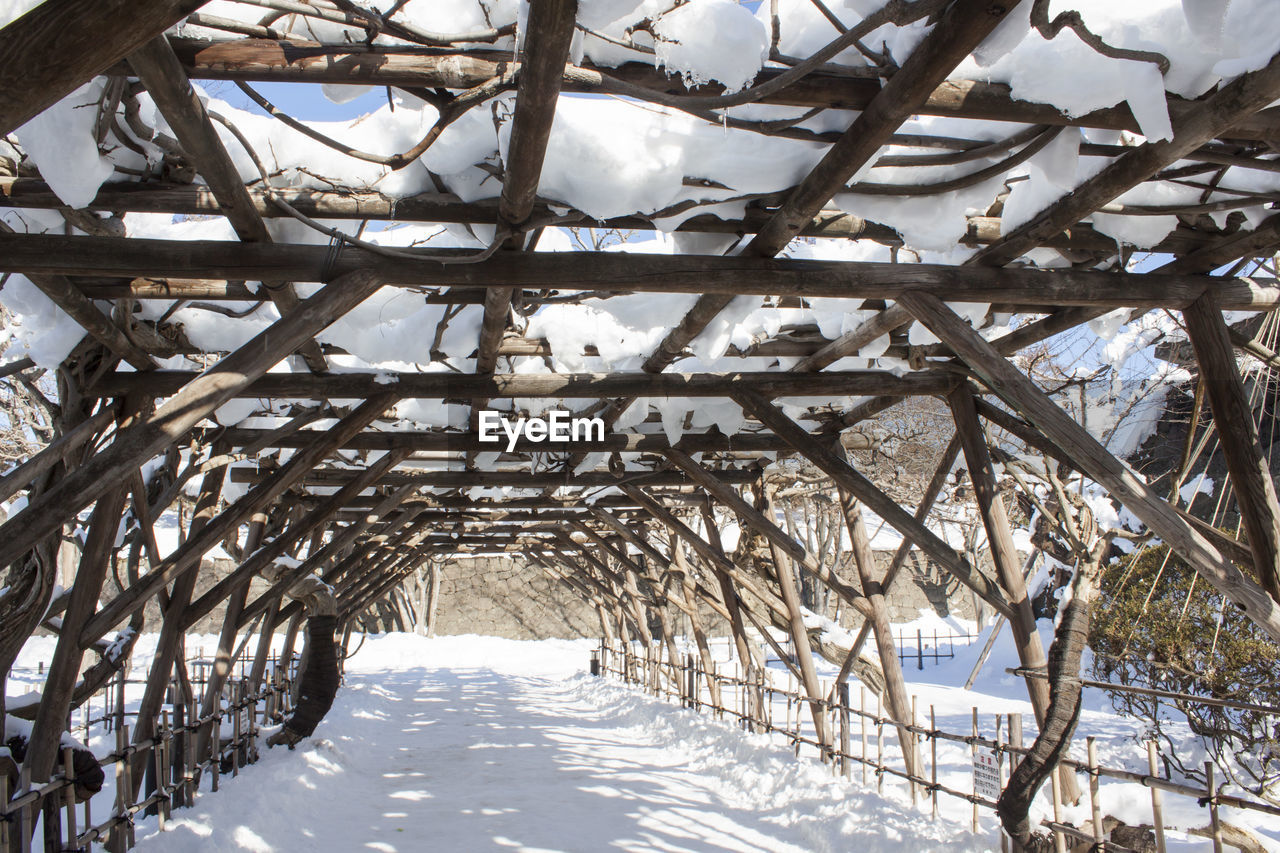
column 862, row 721
column 44, row 750
column 116, row 841
column 4, row 811
column 799, row 635
column 933, row 760
column 1055, row 787
column 842, row 693
column 1247, row 465
column 171, row 629
column 895, row 682
column 973, row 755
column 69, row 798
column 1005, row 556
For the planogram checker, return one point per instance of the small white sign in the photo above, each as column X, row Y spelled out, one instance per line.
column 986, row 774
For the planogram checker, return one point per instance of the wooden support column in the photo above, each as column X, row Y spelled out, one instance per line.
column 895, row 684
column 713, row 555
column 1091, row 457
column 927, row 501
column 880, row 503
column 1248, row 467
column 799, row 634
column 43, row 751
column 172, row 629
column 687, row 586
column 1005, row 556
column 146, row 436
column 1000, row 540
column 223, row 660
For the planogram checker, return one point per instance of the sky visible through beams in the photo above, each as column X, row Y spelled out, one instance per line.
column 308, row 102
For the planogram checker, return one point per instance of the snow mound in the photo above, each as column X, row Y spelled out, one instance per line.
column 712, row 40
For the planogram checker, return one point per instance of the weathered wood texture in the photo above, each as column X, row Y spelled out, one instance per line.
column 166, row 82
column 513, row 479
column 1233, row 415
column 962, row 28
column 60, row 44
column 272, row 61
column 613, row 271
column 455, row 386
column 367, row 204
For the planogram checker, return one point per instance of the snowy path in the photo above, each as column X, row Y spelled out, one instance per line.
column 476, row 744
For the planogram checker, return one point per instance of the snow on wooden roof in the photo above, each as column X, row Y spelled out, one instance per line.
column 721, row 228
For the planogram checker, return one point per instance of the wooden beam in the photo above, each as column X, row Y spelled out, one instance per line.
column 261, row 60
column 881, row 504
column 889, row 320
column 26, row 473
column 450, row 386
column 1025, row 397
column 440, row 441
column 963, row 27
column 60, row 44
column 799, row 634
column 1247, row 465
column 158, row 68
column 145, row 436
column 78, row 307
column 864, row 560
column 1242, row 97
column 511, row 479
column 43, row 751
column 365, row 205
column 547, row 36
column 621, row 272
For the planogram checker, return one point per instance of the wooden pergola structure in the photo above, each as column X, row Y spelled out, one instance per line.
column 363, row 528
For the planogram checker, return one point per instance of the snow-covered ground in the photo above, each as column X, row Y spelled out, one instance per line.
column 479, row 743
column 475, row 743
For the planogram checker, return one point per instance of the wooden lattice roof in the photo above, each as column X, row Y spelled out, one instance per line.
column 850, row 112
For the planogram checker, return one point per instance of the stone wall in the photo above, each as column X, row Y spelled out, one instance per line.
column 508, row 598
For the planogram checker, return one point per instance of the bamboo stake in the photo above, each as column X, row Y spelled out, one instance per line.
column 1214, row 819
column 1095, row 803
column 1157, row 797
